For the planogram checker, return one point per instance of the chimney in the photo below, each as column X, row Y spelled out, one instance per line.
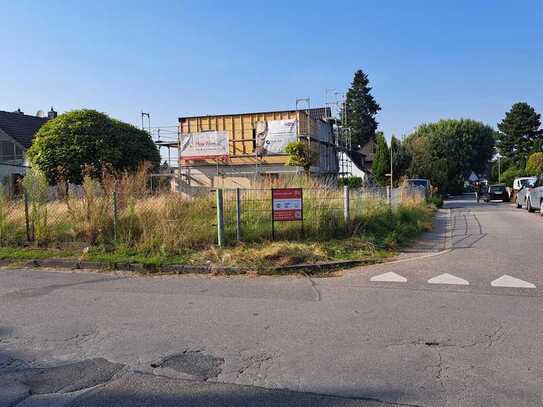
column 19, row 111
column 51, row 114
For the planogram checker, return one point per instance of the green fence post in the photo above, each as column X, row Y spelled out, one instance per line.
column 114, row 204
column 220, row 218
column 238, row 215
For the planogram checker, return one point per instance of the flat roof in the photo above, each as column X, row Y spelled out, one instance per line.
column 314, row 112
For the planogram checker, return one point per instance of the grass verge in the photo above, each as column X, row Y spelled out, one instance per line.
column 380, row 234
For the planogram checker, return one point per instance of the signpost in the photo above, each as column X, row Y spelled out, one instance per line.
column 287, row 205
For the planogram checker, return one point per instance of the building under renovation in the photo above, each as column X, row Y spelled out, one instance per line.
column 238, row 150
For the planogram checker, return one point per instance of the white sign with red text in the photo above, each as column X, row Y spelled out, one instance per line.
column 287, row 204
column 204, row 145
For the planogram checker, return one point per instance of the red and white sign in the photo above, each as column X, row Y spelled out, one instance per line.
column 287, row 204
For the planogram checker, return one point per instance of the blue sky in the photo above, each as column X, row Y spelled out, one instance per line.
column 426, row 59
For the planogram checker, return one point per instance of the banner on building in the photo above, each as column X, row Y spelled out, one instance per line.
column 204, row 145
column 273, row 136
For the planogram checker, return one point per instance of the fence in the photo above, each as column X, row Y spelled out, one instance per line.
column 170, row 222
column 246, row 214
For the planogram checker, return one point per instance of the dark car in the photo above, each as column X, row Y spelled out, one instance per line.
column 496, row 192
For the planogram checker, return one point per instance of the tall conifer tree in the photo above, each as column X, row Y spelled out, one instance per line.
column 360, row 110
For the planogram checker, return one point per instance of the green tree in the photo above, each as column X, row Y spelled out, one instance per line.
column 497, row 167
column 508, row 176
column 381, row 160
column 80, row 139
column 447, row 150
column 401, row 159
column 298, row 155
column 534, row 165
column 351, row 182
column 360, row 110
column 517, row 136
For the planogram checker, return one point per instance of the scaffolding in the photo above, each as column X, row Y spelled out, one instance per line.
column 333, row 150
column 342, row 132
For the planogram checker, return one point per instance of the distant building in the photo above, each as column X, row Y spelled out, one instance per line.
column 16, row 133
column 368, row 151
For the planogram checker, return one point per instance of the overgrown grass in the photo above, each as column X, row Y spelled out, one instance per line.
column 436, row 200
column 171, row 228
column 379, row 234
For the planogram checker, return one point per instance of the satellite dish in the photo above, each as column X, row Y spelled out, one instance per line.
column 40, row 113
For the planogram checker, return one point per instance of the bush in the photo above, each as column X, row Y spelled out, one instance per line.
column 298, row 155
column 64, row 146
column 509, row 175
column 351, row 182
column 435, row 200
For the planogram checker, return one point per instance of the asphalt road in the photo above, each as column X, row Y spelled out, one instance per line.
column 456, row 321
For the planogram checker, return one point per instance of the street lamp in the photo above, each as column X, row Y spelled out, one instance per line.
column 390, row 174
column 499, row 156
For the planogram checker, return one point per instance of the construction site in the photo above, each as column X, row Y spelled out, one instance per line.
column 241, row 150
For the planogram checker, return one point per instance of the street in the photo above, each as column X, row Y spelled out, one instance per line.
column 457, row 320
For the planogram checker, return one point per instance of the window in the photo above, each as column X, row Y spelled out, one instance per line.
column 18, row 153
column 7, row 150
column 10, row 151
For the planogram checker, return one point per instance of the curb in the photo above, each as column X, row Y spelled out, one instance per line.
column 312, row 268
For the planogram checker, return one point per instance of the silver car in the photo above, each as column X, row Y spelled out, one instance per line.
column 535, row 196
column 522, row 194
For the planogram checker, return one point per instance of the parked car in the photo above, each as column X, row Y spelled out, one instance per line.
column 521, row 196
column 420, row 182
column 520, row 183
column 535, row 196
column 496, row 192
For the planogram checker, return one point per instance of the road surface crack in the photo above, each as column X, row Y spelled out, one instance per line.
column 495, row 337
column 314, row 287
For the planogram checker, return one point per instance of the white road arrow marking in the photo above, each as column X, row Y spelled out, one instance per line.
column 389, row 277
column 508, row 281
column 448, row 279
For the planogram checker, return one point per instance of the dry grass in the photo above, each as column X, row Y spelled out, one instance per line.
column 260, row 256
column 170, row 224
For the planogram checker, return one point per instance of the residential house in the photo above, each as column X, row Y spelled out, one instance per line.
column 16, row 133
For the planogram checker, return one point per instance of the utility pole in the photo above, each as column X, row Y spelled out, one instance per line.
column 391, row 173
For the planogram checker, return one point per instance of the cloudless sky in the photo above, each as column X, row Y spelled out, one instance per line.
column 426, row 60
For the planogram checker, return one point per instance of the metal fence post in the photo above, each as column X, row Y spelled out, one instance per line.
column 389, row 196
column 114, row 204
column 27, row 220
column 220, row 217
column 238, row 215
column 346, row 206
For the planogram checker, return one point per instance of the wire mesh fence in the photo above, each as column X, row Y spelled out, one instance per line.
column 172, row 222
column 327, row 212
